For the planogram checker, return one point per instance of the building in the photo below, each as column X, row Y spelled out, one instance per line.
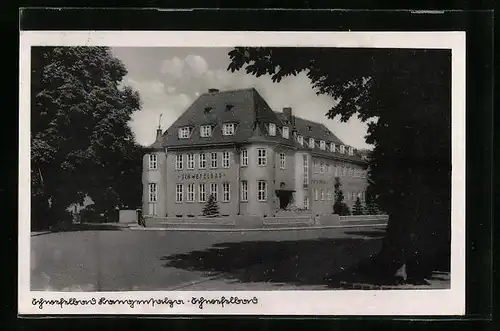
column 252, row 159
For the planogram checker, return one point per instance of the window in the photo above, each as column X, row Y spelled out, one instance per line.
column 202, row 192
column 351, row 151
column 322, row 167
column 244, row 190
column 300, row 140
column 329, row 195
column 205, row 131
column 311, row 142
column 178, row 162
column 305, row 159
column 153, row 161
column 316, row 194
column 322, row 195
column 322, row 145
column 342, row 149
column 179, row 192
column 306, row 202
column 214, row 190
column 329, row 169
column 226, row 193
column 351, row 172
column 315, row 166
column 190, row 161
column 153, row 194
column 336, row 171
column 225, row 159
column 262, row 190
column 282, row 160
column 202, row 161
column 285, row 132
column 213, row 160
column 261, row 156
column 332, row 147
column 184, row 132
column 228, row 129
column 190, row 193
column 244, row 157
column 272, row 129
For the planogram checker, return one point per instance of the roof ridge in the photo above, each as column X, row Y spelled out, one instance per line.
column 230, row 91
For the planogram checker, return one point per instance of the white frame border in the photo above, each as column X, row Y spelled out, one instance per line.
column 384, row 302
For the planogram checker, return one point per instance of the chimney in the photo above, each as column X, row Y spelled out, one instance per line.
column 159, row 133
column 287, row 112
column 213, row 90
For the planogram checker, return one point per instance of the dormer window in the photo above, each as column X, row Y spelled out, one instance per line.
column 332, row 147
column 272, row 129
column 300, row 140
column 309, row 128
column 285, row 132
column 311, row 142
column 205, row 131
column 207, row 110
column 351, row 151
column 228, row 129
column 184, row 132
column 342, row 149
column 229, row 107
column 322, row 144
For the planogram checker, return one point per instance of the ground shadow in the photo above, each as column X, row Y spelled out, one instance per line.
column 301, row 262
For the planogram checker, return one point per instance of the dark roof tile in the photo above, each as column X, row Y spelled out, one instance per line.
column 251, row 113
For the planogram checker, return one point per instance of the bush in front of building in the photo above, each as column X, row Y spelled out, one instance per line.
column 358, row 207
column 211, row 208
column 340, row 207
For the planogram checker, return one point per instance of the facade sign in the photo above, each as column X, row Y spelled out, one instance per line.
column 201, row 175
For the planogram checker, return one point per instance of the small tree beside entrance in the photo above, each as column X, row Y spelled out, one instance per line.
column 339, row 207
column 211, row 208
column 358, row 208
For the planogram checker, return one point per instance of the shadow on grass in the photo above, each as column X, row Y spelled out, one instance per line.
column 302, row 262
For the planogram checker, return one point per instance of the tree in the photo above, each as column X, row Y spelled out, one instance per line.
column 339, row 206
column 358, row 207
column 402, row 93
column 211, row 207
column 81, row 144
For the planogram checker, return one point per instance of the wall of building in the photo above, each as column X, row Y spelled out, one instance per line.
column 157, row 176
column 325, row 181
column 209, row 175
column 252, row 174
column 292, row 176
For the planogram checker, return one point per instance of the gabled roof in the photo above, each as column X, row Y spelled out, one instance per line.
column 251, row 114
column 243, row 107
column 309, row 129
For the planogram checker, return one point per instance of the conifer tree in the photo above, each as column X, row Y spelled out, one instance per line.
column 211, row 207
column 358, row 208
column 339, row 207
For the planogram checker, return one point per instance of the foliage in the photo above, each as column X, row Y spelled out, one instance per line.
column 339, row 206
column 211, row 207
column 358, row 207
column 81, row 144
column 403, row 94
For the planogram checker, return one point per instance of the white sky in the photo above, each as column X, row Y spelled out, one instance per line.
column 169, row 80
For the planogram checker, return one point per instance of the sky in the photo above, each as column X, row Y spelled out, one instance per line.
column 169, row 79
